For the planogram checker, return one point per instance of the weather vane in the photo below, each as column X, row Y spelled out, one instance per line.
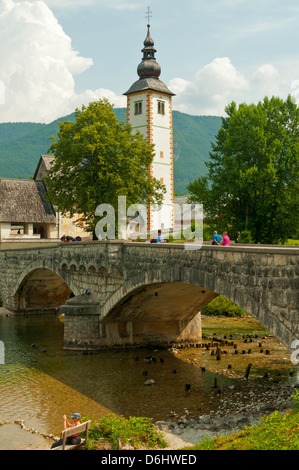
column 148, row 14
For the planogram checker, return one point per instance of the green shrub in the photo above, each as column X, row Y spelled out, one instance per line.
column 136, row 431
column 221, row 306
column 292, row 242
column 245, row 237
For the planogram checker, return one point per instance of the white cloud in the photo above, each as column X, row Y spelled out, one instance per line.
column 38, row 65
column 267, row 80
column 219, row 82
column 94, row 95
column 108, row 4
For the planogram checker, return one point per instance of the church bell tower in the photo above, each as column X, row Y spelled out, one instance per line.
column 149, row 110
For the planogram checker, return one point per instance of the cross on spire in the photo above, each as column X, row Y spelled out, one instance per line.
column 148, row 14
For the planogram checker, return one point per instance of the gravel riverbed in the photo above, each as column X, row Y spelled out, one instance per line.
column 237, row 410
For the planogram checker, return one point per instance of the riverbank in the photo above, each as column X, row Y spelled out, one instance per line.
column 270, row 383
column 15, row 435
column 237, row 410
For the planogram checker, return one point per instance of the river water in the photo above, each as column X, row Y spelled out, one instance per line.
column 40, row 382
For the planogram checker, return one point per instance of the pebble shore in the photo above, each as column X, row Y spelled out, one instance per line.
column 237, row 410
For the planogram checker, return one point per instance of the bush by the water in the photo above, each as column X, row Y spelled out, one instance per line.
column 223, row 307
column 136, row 431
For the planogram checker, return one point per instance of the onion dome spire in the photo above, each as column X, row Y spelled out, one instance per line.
column 149, row 68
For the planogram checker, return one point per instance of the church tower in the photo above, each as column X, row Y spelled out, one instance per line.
column 149, row 110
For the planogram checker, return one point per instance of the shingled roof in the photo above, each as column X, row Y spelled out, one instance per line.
column 153, row 84
column 24, row 201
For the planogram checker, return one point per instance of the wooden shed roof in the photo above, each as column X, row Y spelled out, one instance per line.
column 24, row 201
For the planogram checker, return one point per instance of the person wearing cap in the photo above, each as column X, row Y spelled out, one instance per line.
column 75, row 438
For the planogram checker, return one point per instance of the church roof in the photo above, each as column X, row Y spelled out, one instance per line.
column 24, row 201
column 149, row 84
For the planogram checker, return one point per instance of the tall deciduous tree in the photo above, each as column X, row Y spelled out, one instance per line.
column 98, row 159
column 252, row 182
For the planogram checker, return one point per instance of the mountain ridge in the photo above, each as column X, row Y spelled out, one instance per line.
column 22, row 144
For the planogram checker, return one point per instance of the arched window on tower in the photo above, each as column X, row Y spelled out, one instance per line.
column 138, row 107
column 161, row 107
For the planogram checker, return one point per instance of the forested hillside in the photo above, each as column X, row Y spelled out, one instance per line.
column 192, row 137
column 22, row 144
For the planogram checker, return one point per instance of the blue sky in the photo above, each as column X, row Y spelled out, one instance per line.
column 59, row 54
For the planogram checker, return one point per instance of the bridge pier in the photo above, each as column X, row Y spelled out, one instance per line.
column 81, row 322
column 84, row 329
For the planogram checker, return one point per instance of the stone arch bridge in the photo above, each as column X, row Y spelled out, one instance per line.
column 143, row 294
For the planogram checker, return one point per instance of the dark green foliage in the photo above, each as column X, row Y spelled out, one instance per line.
column 252, row 182
column 22, row 144
column 192, row 143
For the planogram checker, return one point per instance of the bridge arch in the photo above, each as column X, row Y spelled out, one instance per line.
column 41, row 289
column 155, row 313
column 181, row 285
column 170, row 299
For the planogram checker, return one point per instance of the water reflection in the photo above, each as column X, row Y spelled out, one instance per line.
column 40, row 382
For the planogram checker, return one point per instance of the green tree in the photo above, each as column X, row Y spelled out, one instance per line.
column 252, row 182
column 98, row 159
